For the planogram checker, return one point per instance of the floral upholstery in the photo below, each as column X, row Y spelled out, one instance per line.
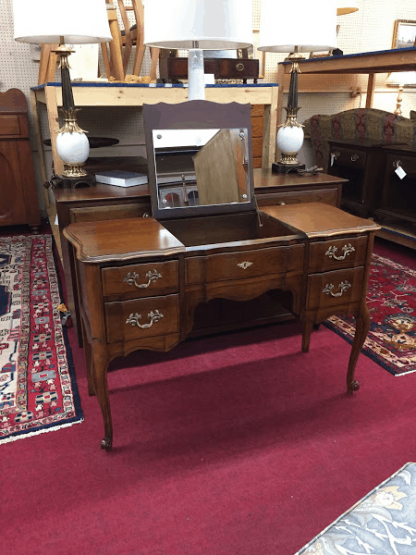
column 382, row 523
column 364, row 123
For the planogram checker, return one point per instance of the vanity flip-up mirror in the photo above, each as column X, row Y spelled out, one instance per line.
column 200, row 165
column 143, row 280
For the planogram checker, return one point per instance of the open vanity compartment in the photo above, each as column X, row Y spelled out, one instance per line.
column 231, row 228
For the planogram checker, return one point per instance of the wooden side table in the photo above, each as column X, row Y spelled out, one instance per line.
column 106, row 202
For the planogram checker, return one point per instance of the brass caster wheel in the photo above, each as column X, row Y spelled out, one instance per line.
column 107, row 444
column 353, row 386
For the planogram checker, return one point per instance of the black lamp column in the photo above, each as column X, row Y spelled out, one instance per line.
column 289, row 161
column 73, row 174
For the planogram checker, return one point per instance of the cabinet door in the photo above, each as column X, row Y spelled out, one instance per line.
column 12, row 205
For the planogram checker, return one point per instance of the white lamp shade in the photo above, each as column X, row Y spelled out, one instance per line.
column 346, row 6
column 214, row 24
column 45, row 21
column 308, row 24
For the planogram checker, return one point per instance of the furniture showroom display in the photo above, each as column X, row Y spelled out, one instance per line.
column 141, row 280
column 18, row 197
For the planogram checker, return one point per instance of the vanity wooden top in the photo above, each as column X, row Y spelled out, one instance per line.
column 121, row 239
column 316, row 219
column 133, row 237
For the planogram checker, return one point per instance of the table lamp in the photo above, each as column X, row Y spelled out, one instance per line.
column 198, row 25
column 401, row 79
column 60, row 22
column 313, row 28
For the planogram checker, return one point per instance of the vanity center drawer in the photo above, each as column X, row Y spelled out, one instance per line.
column 337, row 253
column 159, row 278
column 335, row 288
column 139, row 318
column 244, row 264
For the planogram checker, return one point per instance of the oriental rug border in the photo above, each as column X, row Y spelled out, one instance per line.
column 38, row 389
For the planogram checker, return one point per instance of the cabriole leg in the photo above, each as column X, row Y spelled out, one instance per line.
column 100, row 366
column 363, row 321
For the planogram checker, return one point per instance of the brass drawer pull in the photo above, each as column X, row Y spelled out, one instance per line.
column 354, row 157
column 151, row 276
column 343, row 286
column 239, row 67
column 346, row 249
column 244, row 265
column 154, row 316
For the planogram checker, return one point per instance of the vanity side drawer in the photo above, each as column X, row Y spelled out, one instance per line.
column 335, row 288
column 245, row 264
column 143, row 279
column 338, row 253
column 138, row 318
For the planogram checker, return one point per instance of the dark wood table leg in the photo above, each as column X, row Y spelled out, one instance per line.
column 306, row 335
column 89, row 360
column 100, row 366
column 363, row 321
column 71, row 286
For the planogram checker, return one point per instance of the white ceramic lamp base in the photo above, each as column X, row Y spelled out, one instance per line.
column 73, row 149
column 289, row 142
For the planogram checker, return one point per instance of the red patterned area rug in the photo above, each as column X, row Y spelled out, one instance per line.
column 391, row 299
column 38, row 391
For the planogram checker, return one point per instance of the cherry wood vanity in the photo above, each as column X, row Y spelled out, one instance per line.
column 142, row 279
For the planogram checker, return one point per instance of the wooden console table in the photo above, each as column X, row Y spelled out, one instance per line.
column 141, row 283
column 368, row 63
column 106, row 202
column 110, row 95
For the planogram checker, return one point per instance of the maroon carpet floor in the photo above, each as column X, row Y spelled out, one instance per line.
column 236, row 444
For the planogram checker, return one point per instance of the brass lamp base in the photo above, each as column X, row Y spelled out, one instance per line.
column 74, row 170
column 63, row 182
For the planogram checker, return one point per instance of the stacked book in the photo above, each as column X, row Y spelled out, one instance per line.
column 121, row 178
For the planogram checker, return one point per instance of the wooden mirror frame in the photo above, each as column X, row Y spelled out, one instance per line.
column 196, row 114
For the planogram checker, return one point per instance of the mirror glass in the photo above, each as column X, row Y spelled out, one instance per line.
column 200, row 167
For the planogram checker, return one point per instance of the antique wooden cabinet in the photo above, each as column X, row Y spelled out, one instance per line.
column 397, row 205
column 142, row 280
column 19, row 202
column 362, row 162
